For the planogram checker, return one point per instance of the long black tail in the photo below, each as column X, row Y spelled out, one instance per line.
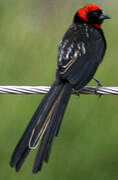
column 44, row 126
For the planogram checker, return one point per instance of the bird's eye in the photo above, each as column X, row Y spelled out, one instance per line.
column 94, row 15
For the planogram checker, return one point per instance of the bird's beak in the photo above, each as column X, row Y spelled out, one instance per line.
column 104, row 16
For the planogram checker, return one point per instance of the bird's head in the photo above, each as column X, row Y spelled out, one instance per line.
column 92, row 14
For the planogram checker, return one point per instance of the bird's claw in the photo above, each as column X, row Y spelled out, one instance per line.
column 99, row 84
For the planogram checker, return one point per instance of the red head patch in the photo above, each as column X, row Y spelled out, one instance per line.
column 85, row 10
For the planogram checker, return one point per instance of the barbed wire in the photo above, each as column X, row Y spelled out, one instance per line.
column 44, row 89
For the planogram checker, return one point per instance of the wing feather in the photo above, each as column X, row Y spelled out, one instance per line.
column 79, row 55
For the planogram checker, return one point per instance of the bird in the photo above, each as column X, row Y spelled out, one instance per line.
column 81, row 51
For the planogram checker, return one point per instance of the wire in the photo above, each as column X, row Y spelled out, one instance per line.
column 44, row 89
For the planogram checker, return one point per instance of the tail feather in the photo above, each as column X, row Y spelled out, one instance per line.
column 47, row 134
column 61, row 109
column 23, row 143
column 22, row 159
column 48, row 149
column 44, row 124
column 51, row 131
column 43, row 108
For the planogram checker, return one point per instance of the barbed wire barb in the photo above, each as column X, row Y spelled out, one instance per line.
column 44, row 89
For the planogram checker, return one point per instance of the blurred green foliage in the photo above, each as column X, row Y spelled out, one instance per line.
column 87, row 147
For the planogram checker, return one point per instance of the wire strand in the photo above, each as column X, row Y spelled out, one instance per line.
column 44, row 89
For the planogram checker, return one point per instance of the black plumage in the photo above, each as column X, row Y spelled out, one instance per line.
column 81, row 51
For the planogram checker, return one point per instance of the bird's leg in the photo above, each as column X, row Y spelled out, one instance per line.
column 99, row 84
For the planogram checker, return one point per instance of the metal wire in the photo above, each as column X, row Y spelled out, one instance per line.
column 44, row 89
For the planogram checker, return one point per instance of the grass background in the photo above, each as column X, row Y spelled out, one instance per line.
column 87, row 148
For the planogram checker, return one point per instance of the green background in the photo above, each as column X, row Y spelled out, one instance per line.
column 87, row 147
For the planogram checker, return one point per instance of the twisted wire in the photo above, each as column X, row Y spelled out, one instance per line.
column 44, row 89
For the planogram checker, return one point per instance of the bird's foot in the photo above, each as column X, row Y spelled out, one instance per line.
column 99, row 84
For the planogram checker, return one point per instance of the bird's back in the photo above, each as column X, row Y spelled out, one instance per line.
column 81, row 51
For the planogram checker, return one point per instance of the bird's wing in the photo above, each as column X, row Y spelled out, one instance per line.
column 79, row 58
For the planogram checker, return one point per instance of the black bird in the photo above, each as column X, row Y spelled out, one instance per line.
column 81, row 51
